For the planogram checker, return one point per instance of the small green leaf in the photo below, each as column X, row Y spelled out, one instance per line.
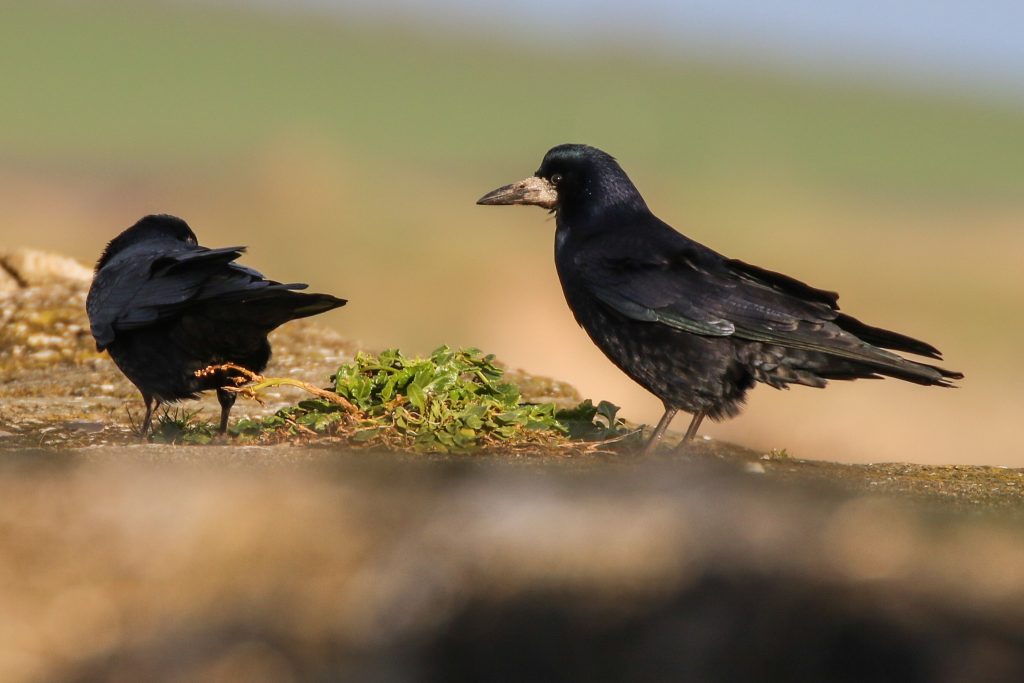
column 416, row 396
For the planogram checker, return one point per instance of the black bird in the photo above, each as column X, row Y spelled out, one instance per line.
column 165, row 307
column 691, row 326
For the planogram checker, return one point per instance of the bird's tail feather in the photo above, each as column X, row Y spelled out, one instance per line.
column 315, row 304
column 890, row 364
column 886, row 339
column 273, row 306
column 918, row 373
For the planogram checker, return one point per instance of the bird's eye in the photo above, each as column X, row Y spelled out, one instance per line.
column 556, row 179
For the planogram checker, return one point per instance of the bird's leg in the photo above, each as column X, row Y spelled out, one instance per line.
column 656, row 435
column 226, row 399
column 691, row 431
column 148, row 420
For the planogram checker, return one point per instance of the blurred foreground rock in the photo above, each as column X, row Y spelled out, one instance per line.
column 122, row 561
column 373, row 567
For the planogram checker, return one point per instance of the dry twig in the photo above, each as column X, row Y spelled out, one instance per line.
column 259, row 382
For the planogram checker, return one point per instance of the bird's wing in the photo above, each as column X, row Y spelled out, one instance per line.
column 653, row 290
column 686, row 286
column 873, row 335
column 682, row 284
column 146, row 286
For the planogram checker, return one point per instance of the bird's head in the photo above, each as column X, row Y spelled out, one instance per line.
column 571, row 178
column 154, row 227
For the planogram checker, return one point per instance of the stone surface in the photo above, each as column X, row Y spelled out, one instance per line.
column 8, row 281
column 128, row 561
column 33, row 268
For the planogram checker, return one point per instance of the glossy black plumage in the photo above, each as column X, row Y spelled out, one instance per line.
column 164, row 307
column 693, row 327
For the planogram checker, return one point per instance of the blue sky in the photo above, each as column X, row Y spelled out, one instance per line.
column 977, row 45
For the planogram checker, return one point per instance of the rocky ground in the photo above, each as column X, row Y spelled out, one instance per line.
column 127, row 561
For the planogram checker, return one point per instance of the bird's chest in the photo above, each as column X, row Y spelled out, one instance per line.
column 562, row 235
column 568, row 270
column 568, row 251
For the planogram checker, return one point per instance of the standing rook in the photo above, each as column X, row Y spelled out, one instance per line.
column 691, row 326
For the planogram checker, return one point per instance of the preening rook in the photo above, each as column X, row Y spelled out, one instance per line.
column 165, row 307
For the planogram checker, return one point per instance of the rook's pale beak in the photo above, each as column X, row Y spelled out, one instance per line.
column 532, row 190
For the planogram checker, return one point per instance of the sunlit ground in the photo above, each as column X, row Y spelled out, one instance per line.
column 351, row 157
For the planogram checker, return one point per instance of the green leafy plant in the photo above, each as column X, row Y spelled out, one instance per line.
column 587, row 422
column 454, row 401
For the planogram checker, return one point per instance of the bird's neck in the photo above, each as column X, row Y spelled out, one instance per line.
column 610, row 197
column 585, row 218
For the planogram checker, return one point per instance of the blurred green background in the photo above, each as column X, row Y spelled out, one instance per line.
column 347, row 150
